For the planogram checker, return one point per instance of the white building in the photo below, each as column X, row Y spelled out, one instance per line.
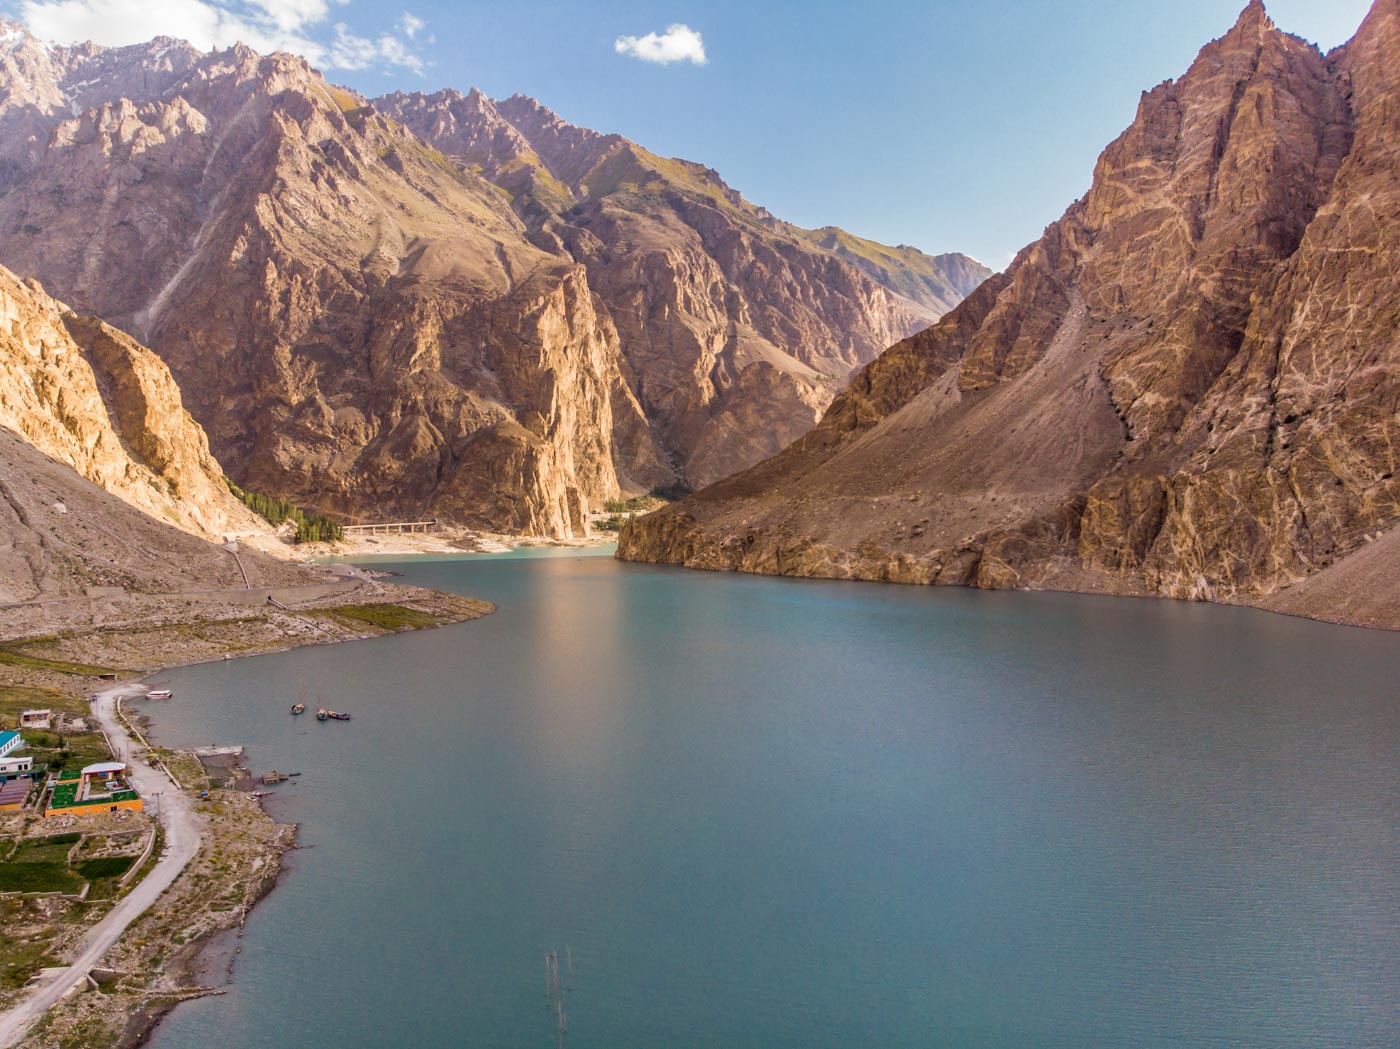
column 35, row 719
column 16, row 765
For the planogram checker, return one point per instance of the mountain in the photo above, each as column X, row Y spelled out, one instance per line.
column 1187, row 387
column 105, row 480
column 503, row 337
column 91, row 398
column 737, row 328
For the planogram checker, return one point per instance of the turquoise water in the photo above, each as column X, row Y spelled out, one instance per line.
column 774, row 813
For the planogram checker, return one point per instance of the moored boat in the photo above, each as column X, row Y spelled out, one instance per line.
column 336, row 715
column 299, row 708
column 322, row 714
column 159, row 693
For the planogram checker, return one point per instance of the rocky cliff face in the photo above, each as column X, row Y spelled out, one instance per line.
column 735, row 328
column 373, row 328
column 1187, row 386
column 91, row 398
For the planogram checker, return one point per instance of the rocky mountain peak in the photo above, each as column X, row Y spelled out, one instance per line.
column 1183, row 387
column 1253, row 19
column 434, row 304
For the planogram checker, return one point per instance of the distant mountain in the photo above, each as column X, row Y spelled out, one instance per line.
column 735, row 329
column 936, row 282
column 427, row 305
column 1188, row 386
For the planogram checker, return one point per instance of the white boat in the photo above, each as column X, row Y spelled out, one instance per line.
column 159, row 693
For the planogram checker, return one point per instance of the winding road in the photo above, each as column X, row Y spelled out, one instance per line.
column 177, row 816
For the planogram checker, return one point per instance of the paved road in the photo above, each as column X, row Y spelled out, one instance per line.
column 181, row 843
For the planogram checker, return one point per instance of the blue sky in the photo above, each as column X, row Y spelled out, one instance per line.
column 953, row 126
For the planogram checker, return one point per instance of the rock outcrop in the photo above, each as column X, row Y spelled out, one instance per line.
column 1188, row 386
column 91, row 398
column 503, row 337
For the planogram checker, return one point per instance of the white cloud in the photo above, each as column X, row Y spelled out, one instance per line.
column 297, row 26
column 410, row 24
column 679, row 43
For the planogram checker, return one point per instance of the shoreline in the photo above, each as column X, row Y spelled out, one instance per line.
column 213, row 953
column 1339, row 619
column 446, row 541
column 206, row 953
column 130, row 1018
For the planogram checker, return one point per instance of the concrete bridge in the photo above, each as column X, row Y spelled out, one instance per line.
column 393, row 526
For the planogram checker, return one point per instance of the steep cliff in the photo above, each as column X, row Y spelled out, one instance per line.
column 375, row 329
column 1187, row 386
column 91, row 398
column 736, row 328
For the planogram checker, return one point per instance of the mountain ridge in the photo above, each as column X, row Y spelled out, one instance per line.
column 1182, row 388
column 375, row 330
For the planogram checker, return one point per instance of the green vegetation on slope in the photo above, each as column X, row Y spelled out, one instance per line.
column 386, row 617
column 48, row 876
column 10, row 653
column 104, row 867
column 311, row 528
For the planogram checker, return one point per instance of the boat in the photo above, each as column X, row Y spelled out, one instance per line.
column 159, row 693
column 336, row 715
column 299, row 708
column 322, row 714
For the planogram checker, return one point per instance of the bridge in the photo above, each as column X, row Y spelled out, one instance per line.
column 393, row 526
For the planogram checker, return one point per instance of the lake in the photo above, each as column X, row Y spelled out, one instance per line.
column 765, row 813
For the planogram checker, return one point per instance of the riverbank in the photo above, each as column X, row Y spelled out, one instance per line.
column 235, row 855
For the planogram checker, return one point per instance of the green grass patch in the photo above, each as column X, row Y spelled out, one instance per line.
column 105, row 867
column 15, row 698
column 14, row 657
column 53, row 849
column 65, row 751
column 53, row 876
column 386, row 617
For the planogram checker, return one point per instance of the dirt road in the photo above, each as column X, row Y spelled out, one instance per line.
column 177, row 817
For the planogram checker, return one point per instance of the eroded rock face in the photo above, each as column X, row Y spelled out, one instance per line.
column 90, row 397
column 736, row 329
column 505, row 337
column 1188, row 386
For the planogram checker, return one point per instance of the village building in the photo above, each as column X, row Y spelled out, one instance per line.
column 35, row 719
column 102, row 787
column 10, row 742
column 20, row 766
column 12, row 794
